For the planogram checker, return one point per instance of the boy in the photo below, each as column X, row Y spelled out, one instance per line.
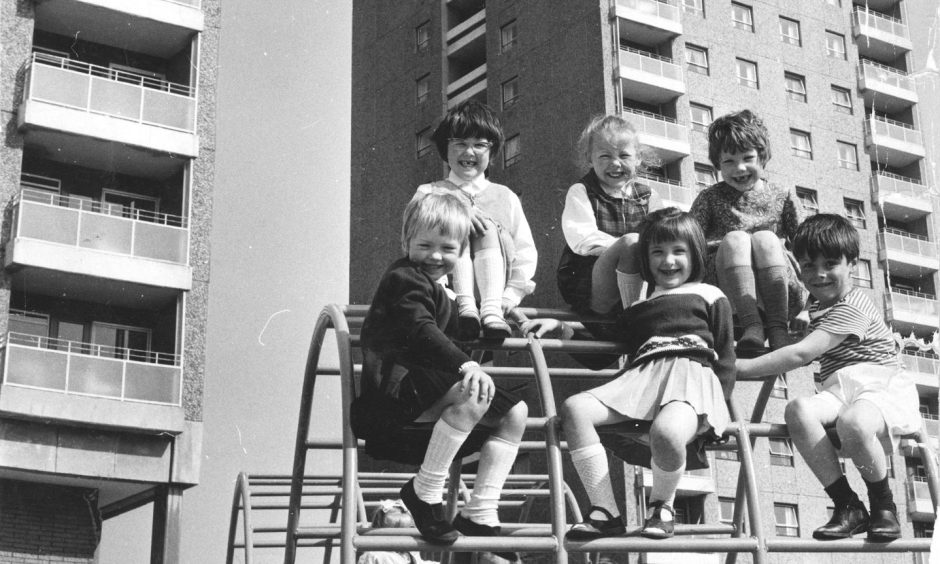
column 865, row 393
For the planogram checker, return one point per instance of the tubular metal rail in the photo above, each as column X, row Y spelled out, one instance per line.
column 344, row 499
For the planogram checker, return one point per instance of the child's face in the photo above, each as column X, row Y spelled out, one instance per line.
column 742, row 171
column 827, row 279
column 614, row 159
column 468, row 158
column 433, row 252
column 670, row 264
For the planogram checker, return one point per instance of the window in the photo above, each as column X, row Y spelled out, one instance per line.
column 835, row 45
column 693, row 7
column 119, row 341
column 704, row 176
column 28, row 323
column 780, row 387
column 834, row 3
column 746, row 72
column 808, row 199
column 726, row 509
column 133, row 206
column 862, row 274
column 701, row 117
column 855, row 212
column 727, row 454
column 848, row 155
column 512, row 151
column 510, row 92
column 796, row 86
column 788, row 521
column 790, row 31
column 508, row 36
column 742, row 17
column 423, row 37
column 841, row 99
column 423, row 142
column 422, row 88
column 800, row 144
column 781, row 452
column 696, row 58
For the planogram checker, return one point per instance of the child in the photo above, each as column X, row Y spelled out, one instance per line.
column 391, row 514
column 865, row 392
column 747, row 221
column 681, row 372
column 501, row 245
column 427, row 378
column 599, row 268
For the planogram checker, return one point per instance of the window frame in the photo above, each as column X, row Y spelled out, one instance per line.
column 423, row 149
column 854, row 211
column 512, row 151
column 786, row 37
column 707, row 111
column 695, row 66
column 694, row 7
column 512, row 31
column 851, row 150
column 782, row 455
column 798, row 151
column 861, row 275
column 509, row 102
column 423, row 36
column 836, row 53
column 789, row 528
column 835, row 92
column 746, row 24
column 740, row 64
column 781, row 389
column 422, row 97
column 795, row 94
column 804, row 194
column 703, row 169
column 723, row 503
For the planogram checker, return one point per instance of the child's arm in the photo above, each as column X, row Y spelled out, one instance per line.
column 520, row 282
column 790, row 357
column 579, row 225
column 554, row 328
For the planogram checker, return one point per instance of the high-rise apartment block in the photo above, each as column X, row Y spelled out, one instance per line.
column 108, row 111
column 834, row 80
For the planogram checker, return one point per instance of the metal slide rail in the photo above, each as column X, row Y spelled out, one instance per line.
column 351, row 532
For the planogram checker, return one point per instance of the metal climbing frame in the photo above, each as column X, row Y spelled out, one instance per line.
column 349, row 529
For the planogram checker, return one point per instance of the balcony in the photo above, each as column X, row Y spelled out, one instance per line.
column 878, row 36
column 649, row 22
column 648, row 77
column 470, row 85
column 63, row 98
column 98, row 240
column 161, row 28
column 68, row 381
column 466, row 41
column 692, row 482
column 672, row 192
column 885, row 88
column 900, row 198
column 912, row 312
column 919, row 504
column 668, row 138
column 893, row 143
column 925, row 370
column 908, row 255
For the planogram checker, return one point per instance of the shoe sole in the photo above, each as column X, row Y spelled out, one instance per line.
column 884, row 537
column 855, row 531
column 657, row 535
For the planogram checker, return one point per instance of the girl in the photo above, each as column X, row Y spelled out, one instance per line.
column 681, row 372
column 599, row 268
column 501, row 245
column 747, row 223
column 425, row 377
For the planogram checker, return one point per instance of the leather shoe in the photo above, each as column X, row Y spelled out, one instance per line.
column 597, row 528
column 428, row 517
column 883, row 525
column 847, row 520
column 472, row 529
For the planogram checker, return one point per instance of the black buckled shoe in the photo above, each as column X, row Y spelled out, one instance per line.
column 471, row 529
column 428, row 517
column 847, row 520
column 597, row 528
column 468, row 327
column 883, row 525
column 661, row 521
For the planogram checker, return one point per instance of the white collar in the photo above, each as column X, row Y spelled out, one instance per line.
column 477, row 185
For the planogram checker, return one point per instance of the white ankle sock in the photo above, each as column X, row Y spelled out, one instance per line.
column 463, row 285
column 496, row 459
column 591, row 465
column 445, row 442
column 490, row 270
column 665, row 483
column 630, row 286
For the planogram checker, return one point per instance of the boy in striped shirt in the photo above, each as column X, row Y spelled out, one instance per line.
column 865, row 392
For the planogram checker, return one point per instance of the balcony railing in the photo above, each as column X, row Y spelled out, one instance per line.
column 880, row 22
column 100, row 90
column 890, row 183
column 886, row 74
column 86, row 224
column 670, row 190
column 917, row 304
column 897, row 240
column 655, row 124
column 921, row 363
column 666, row 9
column 650, row 62
column 103, row 371
column 893, row 129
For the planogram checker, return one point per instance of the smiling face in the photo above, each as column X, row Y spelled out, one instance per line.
column 741, row 170
column 614, row 160
column 827, row 279
column 433, row 252
column 468, row 158
column 670, row 264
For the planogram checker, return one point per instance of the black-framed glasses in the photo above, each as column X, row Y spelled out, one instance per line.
column 479, row 146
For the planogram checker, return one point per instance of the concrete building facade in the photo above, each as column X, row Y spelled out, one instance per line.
column 108, row 110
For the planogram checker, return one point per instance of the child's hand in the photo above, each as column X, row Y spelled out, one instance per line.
column 479, row 384
column 800, row 322
column 547, row 326
column 477, row 221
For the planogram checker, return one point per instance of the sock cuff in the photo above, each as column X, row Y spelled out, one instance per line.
column 450, row 431
column 628, row 276
column 502, row 441
column 588, row 452
column 657, row 468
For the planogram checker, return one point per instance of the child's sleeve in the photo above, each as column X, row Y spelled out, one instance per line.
column 579, row 225
column 701, row 211
column 723, row 333
column 844, row 318
column 520, row 283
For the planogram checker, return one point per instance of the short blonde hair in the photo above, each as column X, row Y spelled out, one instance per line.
column 612, row 125
column 440, row 210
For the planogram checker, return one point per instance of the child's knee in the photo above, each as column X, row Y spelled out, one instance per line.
column 488, row 239
column 469, row 408
column 737, row 240
column 798, row 412
column 574, row 406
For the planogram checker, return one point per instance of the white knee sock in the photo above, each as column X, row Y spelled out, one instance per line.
column 630, row 286
column 496, row 459
column 490, row 270
column 591, row 465
column 463, row 285
column 445, row 442
column 665, row 483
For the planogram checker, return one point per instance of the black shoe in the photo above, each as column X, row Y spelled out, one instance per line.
column 495, row 327
column 661, row 521
column 597, row 528
column 468, row 327
column 883, row 525
column 428, row 517
column 847, row 520
column 471, row 529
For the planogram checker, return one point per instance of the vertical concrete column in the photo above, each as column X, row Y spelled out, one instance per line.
column 167, row 530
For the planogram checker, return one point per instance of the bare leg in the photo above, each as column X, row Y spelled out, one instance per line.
column 807, row 421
